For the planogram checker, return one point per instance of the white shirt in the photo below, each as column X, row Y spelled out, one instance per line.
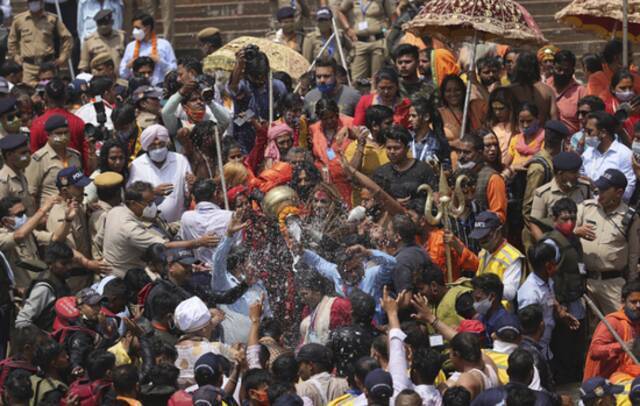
column 618, row 156
column 166, row 63
column 207, row 218
column 87, row 112
column 535, row 290
column 174, row 170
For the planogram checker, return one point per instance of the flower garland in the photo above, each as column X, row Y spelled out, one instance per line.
column 154, row 47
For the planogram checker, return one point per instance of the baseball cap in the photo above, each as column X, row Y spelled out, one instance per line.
column 72, row 176
column 611, row 178
column 486, row 222
column 507, row 323
column 285, row 12
column 324, row 13
column 88, row 296
column 145, row 91
column 379, row 383
column 211, row 362
column 181, row 255
column 66, row 311
column 557, row 126
column 207, row 395
column 598, row 387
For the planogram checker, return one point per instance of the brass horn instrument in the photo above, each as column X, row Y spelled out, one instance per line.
column 446, row 208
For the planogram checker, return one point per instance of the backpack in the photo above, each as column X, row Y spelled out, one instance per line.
column 89, row 393
column 9, row 364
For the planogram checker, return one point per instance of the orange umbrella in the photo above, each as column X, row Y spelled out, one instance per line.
column 602, row 17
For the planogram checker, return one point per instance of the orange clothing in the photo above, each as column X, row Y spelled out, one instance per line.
column 279, row 174
column 497, row 196
column 599, row 82
column 436, row 248
column 605, row 354
column 625, row 373
column 443, row 63
column 321, row 151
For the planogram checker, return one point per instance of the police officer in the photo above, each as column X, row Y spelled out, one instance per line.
column 10, row 121
column 103, row 65
column 104, row 39
column 287, row 34
column 109, row 189
column 16, row 156
column 300, row 7
column 46, row 162
column 315, row 40
column 32, row 37
column 209, row 40
column 609, row 232
column 366, row 27
column 565, row 183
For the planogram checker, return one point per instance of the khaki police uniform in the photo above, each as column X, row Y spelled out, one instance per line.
column 44, row 167
column 27, row 249
column 96, row 227
column 15, row 184
column 612, row 255
column 125, row 240
column 300, row 6
column 96, row 44
column 31, row 42
column 547, row 195
column 313, row 43
column 370, row 20
column 294, row 41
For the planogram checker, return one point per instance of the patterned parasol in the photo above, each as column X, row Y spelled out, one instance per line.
column 489, row 20
column 281, row 58
column 602, row 17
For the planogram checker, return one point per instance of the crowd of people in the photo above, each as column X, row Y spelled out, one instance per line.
column 176, row 236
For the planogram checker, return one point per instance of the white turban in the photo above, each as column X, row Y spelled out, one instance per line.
column 151, row 133
column 192, row 315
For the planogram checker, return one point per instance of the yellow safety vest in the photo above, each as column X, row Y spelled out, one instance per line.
column 498, row 263
column 502, row 362
column 344, row 400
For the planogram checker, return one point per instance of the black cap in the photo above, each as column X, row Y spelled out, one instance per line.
column 379, row 383
column 486, row 222
column 285, row 12
column 508, row 322
column 182, row 256
column 102, row 15
column 12, row 141
column 214, row 363
column 55, row 122
column 567, row 161
column 314, row 352
column 7, row 104
column 611, row 178
column 207, row 395
column 72, row 176
column 598, row 387
column 557, row 126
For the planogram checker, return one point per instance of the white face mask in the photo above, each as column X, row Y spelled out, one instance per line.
column 158, row 155
column 483, row 306
column 34, row 6
column 19, row 221
column 467, row 165
column 150, row 212
column 592, row 141
column 138, row 34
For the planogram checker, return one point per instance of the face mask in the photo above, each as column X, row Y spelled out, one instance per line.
column 532, row 129
column 104, row 30
column 23, row 161
column 566, row 228
column 34, row 6
column 138, row 34
column 13, row 126
column 326, row 87
column 635, row 147
column 150, row 212
column 624, row 95
column 195, row 116
column 262, row 398
column 466, row 165
column 19, row 221
column 482, row 307
column 592, row 141
column 632, row 314
column 158, row 155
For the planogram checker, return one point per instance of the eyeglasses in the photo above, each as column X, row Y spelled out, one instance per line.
column 583, row 112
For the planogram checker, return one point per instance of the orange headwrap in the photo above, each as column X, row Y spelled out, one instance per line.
column 443, row 63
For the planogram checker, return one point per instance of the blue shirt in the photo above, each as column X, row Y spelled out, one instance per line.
column 535, row 290
column 373, row 281
column 87, row 9
column 618, row 156
column 166, row 63
column 222, row 280
column 491, row 322
column 498, row 396
column 255, row 99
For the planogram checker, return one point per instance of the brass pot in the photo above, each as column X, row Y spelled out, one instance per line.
column 277, row 199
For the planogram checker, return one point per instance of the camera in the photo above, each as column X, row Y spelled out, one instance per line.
column 251, row 51
column 206, row 83
column 99, row 132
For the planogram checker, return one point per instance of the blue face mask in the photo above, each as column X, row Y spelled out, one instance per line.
column 326, row 87
column 532, row 129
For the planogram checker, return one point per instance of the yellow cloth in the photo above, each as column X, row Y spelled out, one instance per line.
column 122, row 356
column 372, row 159
column 502, row 362
column 519, row 159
